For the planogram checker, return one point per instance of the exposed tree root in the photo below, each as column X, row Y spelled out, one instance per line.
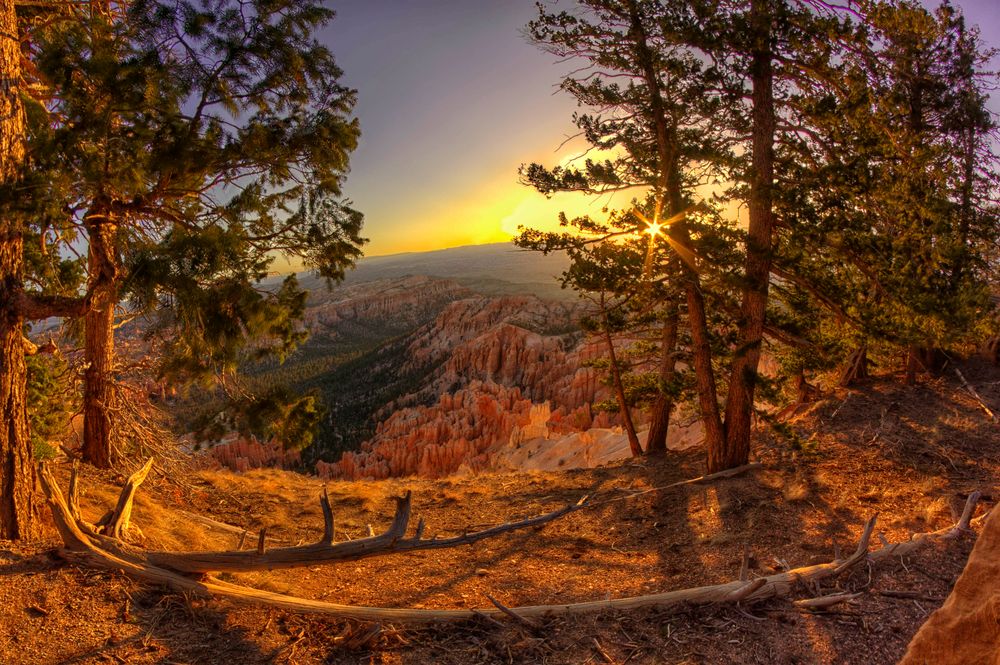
column 84, row 545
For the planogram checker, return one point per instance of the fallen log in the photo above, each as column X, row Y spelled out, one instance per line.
column 86, row 547
column 392, row 541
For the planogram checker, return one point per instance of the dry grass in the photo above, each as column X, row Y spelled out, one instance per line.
column 791, row 512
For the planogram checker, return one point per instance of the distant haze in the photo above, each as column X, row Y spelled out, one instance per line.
column 492, row 269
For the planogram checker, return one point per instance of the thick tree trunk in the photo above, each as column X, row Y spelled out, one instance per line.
column 913, row 365
column 18, row 509
column 663, row 406
column 708, row 401
column 743, row 376
column 99, row 341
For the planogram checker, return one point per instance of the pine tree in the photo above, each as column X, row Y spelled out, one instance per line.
column 198, row 140
column 18, row 509
column 657, row 110
column 890, row 222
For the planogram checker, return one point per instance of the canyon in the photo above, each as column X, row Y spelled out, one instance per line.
column 442, row 377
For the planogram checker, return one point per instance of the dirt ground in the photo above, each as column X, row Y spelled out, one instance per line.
column 908, row 454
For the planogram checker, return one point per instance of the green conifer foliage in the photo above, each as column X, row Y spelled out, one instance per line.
column 197, row 141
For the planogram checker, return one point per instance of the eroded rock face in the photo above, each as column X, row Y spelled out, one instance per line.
column 516, row 341
column 966, row 629
column 437, row 440
column 399, row 304
column 238, row 453
column 508, row 369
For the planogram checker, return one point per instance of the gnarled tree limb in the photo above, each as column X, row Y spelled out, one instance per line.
column 89, row 549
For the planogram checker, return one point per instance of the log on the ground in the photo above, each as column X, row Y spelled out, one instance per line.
column 83, row 545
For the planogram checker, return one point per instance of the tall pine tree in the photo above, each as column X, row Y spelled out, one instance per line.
column 198, row 141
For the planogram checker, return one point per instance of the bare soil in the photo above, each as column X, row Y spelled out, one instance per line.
column 909, row 454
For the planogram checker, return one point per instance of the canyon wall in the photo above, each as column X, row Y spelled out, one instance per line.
column 507, row 369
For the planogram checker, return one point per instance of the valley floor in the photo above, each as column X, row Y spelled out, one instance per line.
column 908, row 454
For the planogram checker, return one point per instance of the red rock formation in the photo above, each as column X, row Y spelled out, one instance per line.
column 406, row 301
column 966, row 629
column 242, row 454
column 436, row 440
column 508, row 369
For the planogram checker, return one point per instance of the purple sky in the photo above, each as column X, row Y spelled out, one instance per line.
column 452, row 99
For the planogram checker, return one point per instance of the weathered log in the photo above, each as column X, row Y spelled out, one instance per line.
column 117, row 521
column 88, row 550
column 393, row 540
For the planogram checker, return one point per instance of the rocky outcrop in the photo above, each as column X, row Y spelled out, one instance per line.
column 966, row 629
column 239, row 453
column 436, row 440
column 514, row 341
column 505, row 369
column 461, row 431
column 399, row 304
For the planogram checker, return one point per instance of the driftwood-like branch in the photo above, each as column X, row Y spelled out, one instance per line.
column 97, row 551
column 823, row 602
column 862, row 551
column 393, row 540
column 212, row 524
column 116, row 523
column 712, row 477
column 511, row 613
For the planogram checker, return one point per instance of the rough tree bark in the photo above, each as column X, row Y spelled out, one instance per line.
column 99, row 340
column 18, row 508
column 743, row 374
column 663, row 405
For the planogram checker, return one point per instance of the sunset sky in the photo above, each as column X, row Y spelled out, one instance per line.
column 452, row 99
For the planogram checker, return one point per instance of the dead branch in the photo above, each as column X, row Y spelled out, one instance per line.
column 212, row 524
column 975, row 395
column 719, row 475
column 603, row 653
column 822, row 602
column 95, row 550
column 117, row 521
column 393, row 540
column 511, row 613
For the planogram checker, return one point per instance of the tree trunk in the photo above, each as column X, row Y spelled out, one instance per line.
column 669, row 185
column 99, row 340
column 743, row 376
column 18, row 508
column 663, row 406
column 912, row 366
column 856, row 367
column 619, row 388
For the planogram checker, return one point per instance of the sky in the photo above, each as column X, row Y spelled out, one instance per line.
column 452, row 99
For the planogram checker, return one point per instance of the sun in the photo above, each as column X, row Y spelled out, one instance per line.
column 653, row 229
